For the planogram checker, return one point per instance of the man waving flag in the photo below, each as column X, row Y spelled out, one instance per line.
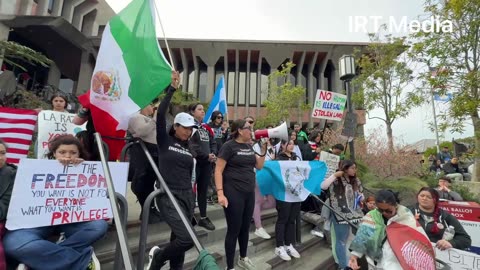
column 130, row 72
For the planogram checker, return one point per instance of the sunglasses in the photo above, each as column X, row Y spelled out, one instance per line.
column 219, row 117
column 386, row 211
column 251, row 122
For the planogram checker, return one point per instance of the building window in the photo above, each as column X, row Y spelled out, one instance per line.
column 50, row 5
column 231, row 87
column 253, row 88
column 242, row 92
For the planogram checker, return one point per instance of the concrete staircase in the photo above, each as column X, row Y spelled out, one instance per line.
column 316, row 254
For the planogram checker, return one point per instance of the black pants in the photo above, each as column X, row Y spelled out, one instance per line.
column 180, row 240
column 203, row 178
column 285, row 226
column 143, row 178
column 238, row 215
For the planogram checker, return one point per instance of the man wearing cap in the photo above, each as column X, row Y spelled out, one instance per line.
column 445, row 192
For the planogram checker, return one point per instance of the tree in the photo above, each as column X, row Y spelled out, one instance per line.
column 384, row 76
column 456, row 53
column 283, row 98
column 12, row 52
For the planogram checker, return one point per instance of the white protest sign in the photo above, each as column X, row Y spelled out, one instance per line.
column 52, row 124
column 47, row 193
column 329, row 105
column 332, row 162
column 458, row 259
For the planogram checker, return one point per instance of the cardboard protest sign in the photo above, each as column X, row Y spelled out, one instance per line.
column 329, row 105
column 47, row 193
column 458, row 259
column 51, row 125
column 332, row 162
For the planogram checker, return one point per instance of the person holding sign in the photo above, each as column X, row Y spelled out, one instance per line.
column 7, row 176
column 31, row 247
column 345, row 191
column 176, row 165
column 435, row 220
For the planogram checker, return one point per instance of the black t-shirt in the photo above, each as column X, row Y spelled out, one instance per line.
column 175, row 162
column 239, row 170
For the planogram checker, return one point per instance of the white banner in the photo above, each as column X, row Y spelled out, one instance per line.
column 459, row 259
column 47, row 193
column 332, row 162
column 51, row 125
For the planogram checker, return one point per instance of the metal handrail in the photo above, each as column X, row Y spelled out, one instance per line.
column 121, row 232
column 334, row 211
column 123, row 208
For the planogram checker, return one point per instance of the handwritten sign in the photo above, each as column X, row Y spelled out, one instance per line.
column 47, row 193
column 332, row 162
column 329, row 105
column 51, row 125
column 458, row 259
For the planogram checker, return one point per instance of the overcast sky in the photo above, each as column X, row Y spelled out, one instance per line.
column 300, row 20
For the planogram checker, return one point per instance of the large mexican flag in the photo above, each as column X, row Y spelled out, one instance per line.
column 130, row 72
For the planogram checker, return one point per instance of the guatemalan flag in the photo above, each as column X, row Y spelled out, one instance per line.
column 291, row 181
column 218, row 103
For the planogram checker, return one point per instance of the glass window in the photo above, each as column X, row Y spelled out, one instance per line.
column 231, row 88
column 242, row 87
column 253, row 88
column 50, row 5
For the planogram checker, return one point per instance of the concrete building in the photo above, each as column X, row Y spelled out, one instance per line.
column 60, row 29
column 69, row 33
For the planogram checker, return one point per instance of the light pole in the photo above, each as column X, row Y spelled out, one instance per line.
column 347, row 73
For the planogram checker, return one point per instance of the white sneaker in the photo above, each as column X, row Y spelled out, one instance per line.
column 317, row 233
column 22, row 267
column 260, row 232
column 292, row 251
column 282, row 253
column 246, row 263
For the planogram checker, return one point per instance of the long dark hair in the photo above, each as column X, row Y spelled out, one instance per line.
column 436, row 209
column 352, row 180
column 60, row 95
column 236, row 125
column 387, row 196
column 65, row 140
column 192, row 107
column 4, row 144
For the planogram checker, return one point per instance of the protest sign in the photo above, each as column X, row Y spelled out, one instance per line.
column 52, row 124
column 458, row 259
column 332, row 162
column 47, row 193
column 329, row 105
column 468, row 214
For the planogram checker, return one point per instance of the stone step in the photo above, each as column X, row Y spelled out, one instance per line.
column 159, row 234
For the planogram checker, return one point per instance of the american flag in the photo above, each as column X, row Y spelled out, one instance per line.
column 16, row 129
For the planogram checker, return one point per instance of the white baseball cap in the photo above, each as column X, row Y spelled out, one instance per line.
column 184, row 119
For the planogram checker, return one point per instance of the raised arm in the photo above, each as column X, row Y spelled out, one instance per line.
column 162, row 134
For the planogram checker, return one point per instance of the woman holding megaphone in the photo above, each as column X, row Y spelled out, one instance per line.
column 235, row 182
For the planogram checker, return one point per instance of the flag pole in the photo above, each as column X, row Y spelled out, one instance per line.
column 164, row 37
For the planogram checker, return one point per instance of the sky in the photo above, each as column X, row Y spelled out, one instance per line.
column 300, row 20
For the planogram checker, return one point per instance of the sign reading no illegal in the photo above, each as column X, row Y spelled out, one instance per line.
column 329, row 105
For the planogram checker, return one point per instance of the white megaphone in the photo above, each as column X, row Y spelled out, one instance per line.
column 280, row 132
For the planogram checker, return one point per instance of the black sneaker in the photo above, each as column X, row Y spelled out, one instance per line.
column 152, row 262
column 206, row 223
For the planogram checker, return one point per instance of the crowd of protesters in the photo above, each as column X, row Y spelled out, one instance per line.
column 224, row 158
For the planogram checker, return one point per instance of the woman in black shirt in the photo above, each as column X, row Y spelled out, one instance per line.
column 175, row 163
column 235, row 182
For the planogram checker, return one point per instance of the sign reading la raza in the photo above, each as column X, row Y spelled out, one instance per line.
column 52, row 124
column 329, row 105
column 332, row 162
column 47, row 193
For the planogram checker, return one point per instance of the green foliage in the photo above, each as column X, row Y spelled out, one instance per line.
column 283, row 98
column 385, row 73
column 407, row 186
column 28, row 100
column 456, row 55
column 464, row 191
column 14, row 52
column 433, row 150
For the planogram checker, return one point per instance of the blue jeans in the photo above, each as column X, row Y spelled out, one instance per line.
column 29, row 246
column 340, row 233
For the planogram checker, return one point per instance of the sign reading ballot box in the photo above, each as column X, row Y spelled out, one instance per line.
column 47, row 193
column 468, row 213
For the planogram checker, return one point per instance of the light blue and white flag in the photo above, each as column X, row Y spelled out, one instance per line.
column 445, row 98
column 218, row 103
column 291, row 181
